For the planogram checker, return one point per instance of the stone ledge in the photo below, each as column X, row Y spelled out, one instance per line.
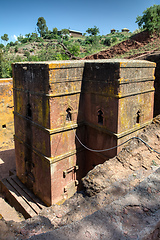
column 50, row 160
column 122, row 63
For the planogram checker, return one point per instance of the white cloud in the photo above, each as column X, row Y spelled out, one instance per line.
column 14, row 38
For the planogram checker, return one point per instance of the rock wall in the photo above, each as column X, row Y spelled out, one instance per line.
column 6, row 113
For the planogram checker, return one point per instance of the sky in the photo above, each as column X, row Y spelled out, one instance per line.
column 20, row 17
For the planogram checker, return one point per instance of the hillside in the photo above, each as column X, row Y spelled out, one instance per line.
column 53, row 48
column 67, row 48
column 141, row 43
column 113, row 45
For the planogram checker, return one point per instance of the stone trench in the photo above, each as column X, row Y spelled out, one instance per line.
column 119, row 202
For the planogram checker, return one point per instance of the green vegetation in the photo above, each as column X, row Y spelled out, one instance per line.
column 150, row 20
column 154, row 163
column 5, row 66
column 59, row 45
column 147, row 48
column 93, row 31
column 53, row 45
column 42, row 27
column 5, row 37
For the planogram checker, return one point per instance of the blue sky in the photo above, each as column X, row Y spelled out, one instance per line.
column 20, row 17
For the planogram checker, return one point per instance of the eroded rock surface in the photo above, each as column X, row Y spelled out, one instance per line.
column 135, row 216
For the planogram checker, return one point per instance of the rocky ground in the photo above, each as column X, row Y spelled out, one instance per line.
column 134, row 216
column 103, row 185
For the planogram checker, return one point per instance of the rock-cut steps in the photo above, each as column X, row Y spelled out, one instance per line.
column 18, row 196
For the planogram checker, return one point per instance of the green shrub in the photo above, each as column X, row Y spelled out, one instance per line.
column 24, row 40
column 39, row 39
column 107, row 42
column 27, row 54
column 33, row 58
column 74, row 49
column 66, row 37
column 17, row 59
column 16, row 49
column 114, row 39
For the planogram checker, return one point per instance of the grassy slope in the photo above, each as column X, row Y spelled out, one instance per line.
column 129, row 48
column 50, row 50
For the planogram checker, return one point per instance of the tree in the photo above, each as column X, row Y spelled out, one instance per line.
column 150, row 20
column 55, row 31
column 27, row 35
column 11, row 44
column 107, row 41
column 1, row 59
column 5, row 37
column 93, row 31
column 20, row 38
column 41, row 26
column 16, row 49
column 65, row 31
column 48, row 35
column 33, row 36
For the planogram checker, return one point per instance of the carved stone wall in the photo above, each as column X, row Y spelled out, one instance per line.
column 103, row 102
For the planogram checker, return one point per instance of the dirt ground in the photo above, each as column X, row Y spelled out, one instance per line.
column 103, row 185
